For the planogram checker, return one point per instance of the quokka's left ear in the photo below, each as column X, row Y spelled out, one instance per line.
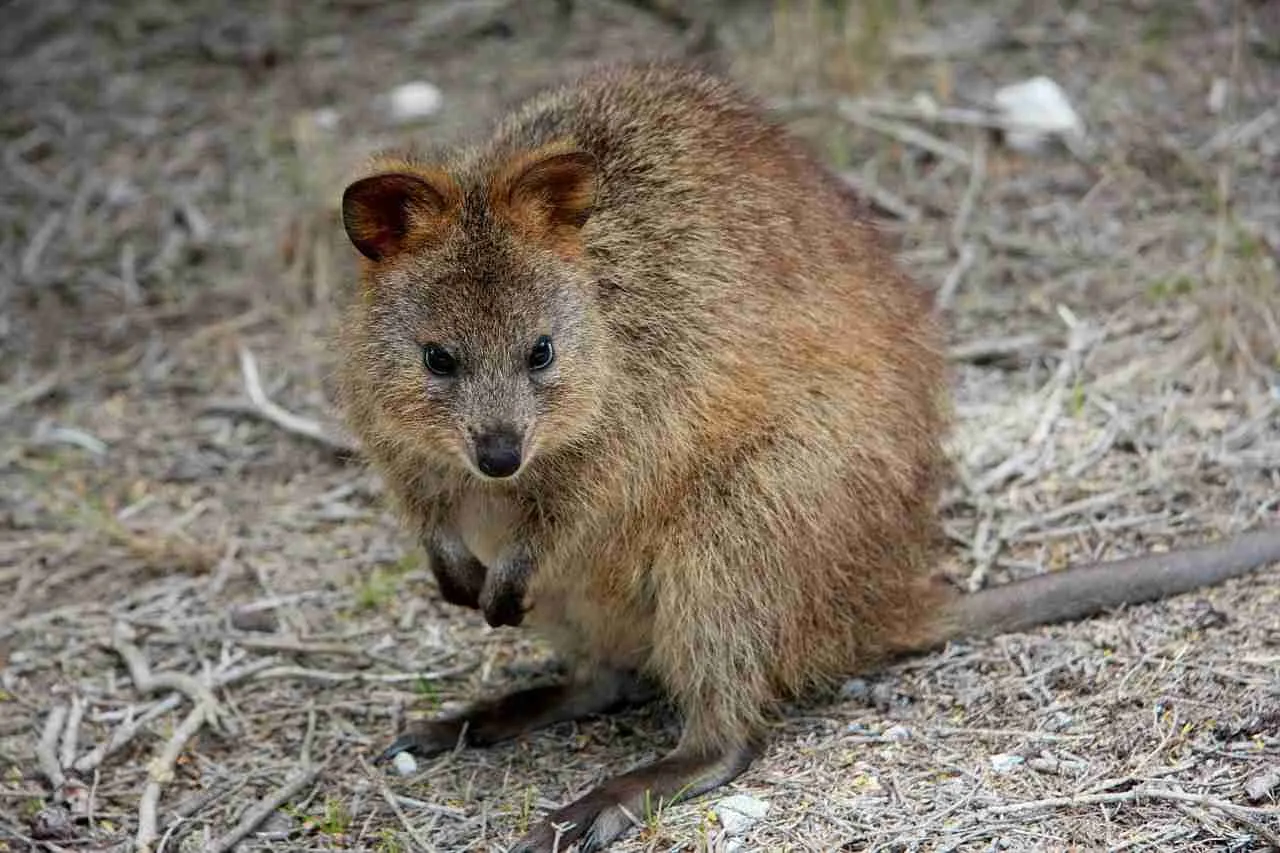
column 547, row 194
column 386, row 214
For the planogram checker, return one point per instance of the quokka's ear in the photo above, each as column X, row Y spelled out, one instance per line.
column 388, row 213
column 548, row 194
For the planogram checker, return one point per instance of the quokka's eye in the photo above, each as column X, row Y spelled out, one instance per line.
column 542, row 354
column 438, row 360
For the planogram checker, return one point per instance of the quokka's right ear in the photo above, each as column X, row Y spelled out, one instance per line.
column 388, row 213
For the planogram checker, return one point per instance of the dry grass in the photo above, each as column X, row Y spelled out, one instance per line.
column 179, row 581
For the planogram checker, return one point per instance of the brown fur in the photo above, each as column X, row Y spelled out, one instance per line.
column 730, row 474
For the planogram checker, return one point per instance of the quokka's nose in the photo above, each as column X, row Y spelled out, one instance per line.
column 498, row 453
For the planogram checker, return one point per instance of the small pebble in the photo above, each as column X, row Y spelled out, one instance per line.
column 405, row 764
column 52, row 823
column 1218, row 95
column 413, row 101
column 1036, row 110
column 857, row 689
column 740, row 812
column 898, row 733
column 1259, row 788
column 326, row 118
column 260, row 621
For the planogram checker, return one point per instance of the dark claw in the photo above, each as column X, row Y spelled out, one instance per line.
column 430, row 739
column 506, row 608
column 404, row 743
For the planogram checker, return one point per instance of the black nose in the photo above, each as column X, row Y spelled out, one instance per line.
column 498, row 454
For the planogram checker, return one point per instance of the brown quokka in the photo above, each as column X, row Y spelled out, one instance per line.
column 640, row 377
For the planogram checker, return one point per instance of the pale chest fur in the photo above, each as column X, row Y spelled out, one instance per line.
column 487, row 524
column 588, row 600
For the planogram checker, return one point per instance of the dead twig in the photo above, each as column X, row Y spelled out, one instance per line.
column 126, row 733
column 47, row 748
column 299, row 781
column 71, row 734
column 950, row 284
column 147, row 682
column 33, row 392
column 880, row 197
column 335, row 677
column 851, row 112
column 1135, row 795
column 160, row 771
column 281, row 417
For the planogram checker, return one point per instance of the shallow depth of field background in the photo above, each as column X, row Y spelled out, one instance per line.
column 169, row 179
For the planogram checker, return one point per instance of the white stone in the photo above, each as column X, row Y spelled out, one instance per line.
column 1218, row 95
column 413, row 101
column 897, row 733
column 327, row 118
column 740, row 812
column 1006, row 762
column 405, row 764
column 1035, row 110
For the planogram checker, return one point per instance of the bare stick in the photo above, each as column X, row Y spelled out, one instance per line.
column 47, row 749
column 977, row 176
column 147, row 682
column 302, row 779
column 160, row 771
column 999, row 349
column 30, row 394
column 71, row 735
column 35, row 249
column 283, row 418
column 947, row 292
column 882, row 198
column 125, row 734
column 1129, row 796
column 854, row 114
column 334, row 677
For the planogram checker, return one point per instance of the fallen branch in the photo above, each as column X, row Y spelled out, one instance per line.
column 1244, row 813
column 47, row 749
column 71, row 735
column 126, row 733
column 947, row 292
column 338, row 677
column 146, row 682
column 160, row 771
column 905, row 133
column 880, row 197
column 302, row 779
column 286, row 420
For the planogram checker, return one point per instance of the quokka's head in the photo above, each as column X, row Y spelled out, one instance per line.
column 476, row 334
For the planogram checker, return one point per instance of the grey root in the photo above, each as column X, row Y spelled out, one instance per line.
column 716, row 477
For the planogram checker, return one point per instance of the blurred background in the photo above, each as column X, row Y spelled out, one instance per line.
column 1091, row 188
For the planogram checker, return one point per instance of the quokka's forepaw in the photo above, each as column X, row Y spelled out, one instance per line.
column 504, row 607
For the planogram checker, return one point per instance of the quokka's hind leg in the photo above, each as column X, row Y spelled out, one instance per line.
column 715, row 670
column 489, row 721
column 606, row 813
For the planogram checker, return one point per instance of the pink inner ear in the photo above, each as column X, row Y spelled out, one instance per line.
column 383, row 213
column 559, row 189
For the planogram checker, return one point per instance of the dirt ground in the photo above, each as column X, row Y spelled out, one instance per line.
column 209, row 626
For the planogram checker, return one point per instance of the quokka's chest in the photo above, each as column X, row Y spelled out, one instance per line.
column 487, row 524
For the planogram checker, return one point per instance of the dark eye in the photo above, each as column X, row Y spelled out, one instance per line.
column 542, row 354
column 438, row 360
